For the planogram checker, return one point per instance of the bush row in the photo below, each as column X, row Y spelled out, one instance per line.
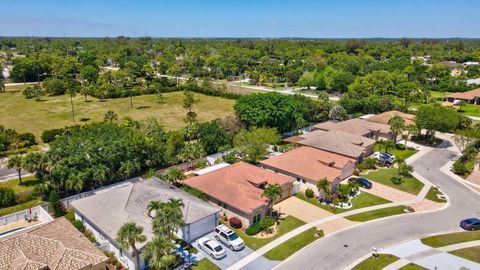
column 263, row 225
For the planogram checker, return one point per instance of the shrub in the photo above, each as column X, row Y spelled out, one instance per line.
column 200, row 164
column 90, row 236
column 55, row 204
column 400, row 146
column 235, row 222
column 396, row 180
column 51, row 134
column 23, row 197
column 195, row 192
column 7, row 197
column 79, row 225
column 28, row 139
column 460, row 168
column 309, row 193
column 356, row 172
column 230, row 158
column 368, row 164
column 260, row 226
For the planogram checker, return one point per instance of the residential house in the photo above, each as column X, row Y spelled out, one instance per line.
column 384, row 118
column 454, row 67
column 105, row 212
column 238, row 189
column 308, row 165
column 339, row 142
column 470, row 97
column 56, row 245
column 359, row 127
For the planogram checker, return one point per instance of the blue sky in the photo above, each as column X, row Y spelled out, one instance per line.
column 242, row 18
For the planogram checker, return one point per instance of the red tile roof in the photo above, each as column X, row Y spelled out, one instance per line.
column 237, row 185
column 310, row 163
column 384, row 117
column 469, row 95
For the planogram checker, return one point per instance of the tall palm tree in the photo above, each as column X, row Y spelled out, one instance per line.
column 153, row 206
column 158, row 252
column 411, row 130
column 17, row 163
column 323, row 186
column 72, row 92
column 272, row 192
column 397, row 125
column 129, row 235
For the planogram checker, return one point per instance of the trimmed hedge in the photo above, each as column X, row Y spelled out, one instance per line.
column 260, row 226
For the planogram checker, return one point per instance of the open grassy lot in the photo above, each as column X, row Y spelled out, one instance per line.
column 26, row 115
column 472, row 254
column 376, row 214
column 451, row 238
column 438, row 95
column 27, row 184
column 205, row 264
column 365, row 199
column 292, row 245
column 470, row 109
column 412, row 266
column 383, row 176
column 403, row 154
column 287, row 224
column 376, row 264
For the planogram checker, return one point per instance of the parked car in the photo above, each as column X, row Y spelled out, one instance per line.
column 365, row 183
column 470, row 224
column 225, row 235
column 212, row 248
column 383, row 157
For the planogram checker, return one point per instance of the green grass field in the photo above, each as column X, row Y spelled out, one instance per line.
column 432, row 195
column 451, row 238
column 412, row 266
column 365, row 199
column 472, row 254
column 376, row 264
column 376, row 214
column 403, row 154
column 27, row 115
column 294, row 244
column 27, row 184
column 470, row 109
column 19, row 207
column 205, row 264
column 383, row 176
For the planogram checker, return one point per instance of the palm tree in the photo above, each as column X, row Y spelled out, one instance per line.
column 388, row 144
column 402, row 167
column 17, row 163
column 168, row 217
column 397, row 125
column 129, row 235
column 158, row 252
column 272, row 192
column 128, row 168
column 72, row 92
column 176, row 203
column 323, row 186
column 411, row 130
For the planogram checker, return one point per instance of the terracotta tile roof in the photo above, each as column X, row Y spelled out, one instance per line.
column 384, row 117
column 339, row 142
column 469, row 95
column 237, row 185
column 310, row 163
column 355, row 126
column 56, row 245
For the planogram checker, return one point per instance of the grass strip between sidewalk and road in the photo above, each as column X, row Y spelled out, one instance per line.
column 292, row 245
column 381, row 262
column 451, row 238
column 205, row 264
column 412, row 266
column 471, row 253
column 376, row 214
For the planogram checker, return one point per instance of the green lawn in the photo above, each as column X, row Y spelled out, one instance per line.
column 472, row 253
column 27, row 184
column 26, row 115
column 438, row 94
column 376, row 214
column 432, row 195
column 205, row 264
column 403, row 154
column 376, row 264
column 287, row 224
column 292, row 245
column 383, row 176
column 19, row 207
column 470, row 109
column 451, row 238
column 412, row 266
column 365, row 199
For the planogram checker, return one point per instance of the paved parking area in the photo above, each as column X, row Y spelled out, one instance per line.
column 234, row 256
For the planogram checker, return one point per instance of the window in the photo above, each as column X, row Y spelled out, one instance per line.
column 304, row 181
column 257, row 217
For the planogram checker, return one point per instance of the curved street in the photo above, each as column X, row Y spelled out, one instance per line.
column 342, row 249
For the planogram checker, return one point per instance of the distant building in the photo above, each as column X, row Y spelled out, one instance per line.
column 470, row 97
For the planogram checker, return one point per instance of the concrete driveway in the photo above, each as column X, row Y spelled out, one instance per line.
column 389, row 193
column 234, row 256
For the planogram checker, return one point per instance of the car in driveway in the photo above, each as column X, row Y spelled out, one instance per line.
column 225, row 235
column 212, row 248
column 383, row 157
column 470, row 224
column 364, row 182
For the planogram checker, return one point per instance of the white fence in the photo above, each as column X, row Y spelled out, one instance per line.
column 37, row 211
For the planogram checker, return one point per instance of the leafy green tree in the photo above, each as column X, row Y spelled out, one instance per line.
column 273, row 193
column 188, row 102
column 212, row 137
column 436, row 118
column 55, row 204
column 159, row 253
column 252, row 144
column 89, row 73
column 338, row 113
column 173, row 175
column 110, row 116
column 54, row 87
column 397, row 126
column 128, row 236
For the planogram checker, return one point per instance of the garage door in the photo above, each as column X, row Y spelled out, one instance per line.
column 200, row 228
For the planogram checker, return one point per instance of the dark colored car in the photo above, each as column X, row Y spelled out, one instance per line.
column 365, row 183
column 470, row 224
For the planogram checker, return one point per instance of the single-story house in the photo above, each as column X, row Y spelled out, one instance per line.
column 238, row 189
column 53, row 245
column 470, row 97
column 338, row 142
column 308, row 165
column 384, row 118
column 357, row 126
column 105, row 212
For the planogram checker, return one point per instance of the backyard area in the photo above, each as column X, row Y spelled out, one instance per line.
column 28, row 115
column 383, row 176
column 23, row 191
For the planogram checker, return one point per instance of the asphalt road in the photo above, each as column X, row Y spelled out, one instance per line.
column 342, row 249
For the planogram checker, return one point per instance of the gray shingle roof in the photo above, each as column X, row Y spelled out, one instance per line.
column 110, row 209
